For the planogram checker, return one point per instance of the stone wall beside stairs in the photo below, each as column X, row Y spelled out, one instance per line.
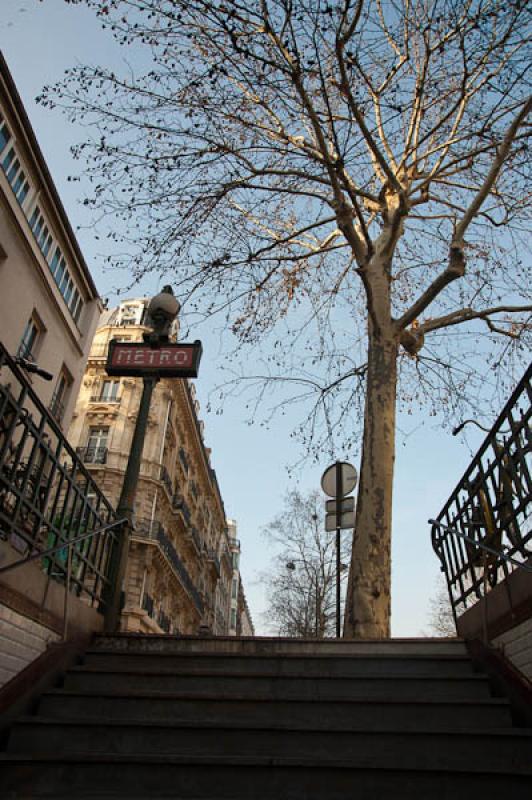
column 21, row 641
column 516, row 644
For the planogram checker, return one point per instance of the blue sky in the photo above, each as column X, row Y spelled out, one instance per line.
column 39, row 41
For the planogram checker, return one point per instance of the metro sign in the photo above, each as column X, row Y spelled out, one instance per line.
column 138, row 359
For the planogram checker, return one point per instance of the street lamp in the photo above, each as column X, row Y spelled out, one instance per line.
column 162, row 311
column 31, row 366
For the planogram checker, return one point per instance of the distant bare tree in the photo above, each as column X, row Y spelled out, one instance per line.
column 349, row 177
column 440, row 616
column 301, row 580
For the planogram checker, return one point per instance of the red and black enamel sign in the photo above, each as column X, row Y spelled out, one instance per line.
column 140, row 360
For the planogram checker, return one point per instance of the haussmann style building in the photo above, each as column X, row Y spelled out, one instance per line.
column 180, row 563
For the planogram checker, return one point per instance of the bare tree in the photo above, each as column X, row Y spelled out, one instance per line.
column 347, row 178
column 440, row 616
column 301, row 580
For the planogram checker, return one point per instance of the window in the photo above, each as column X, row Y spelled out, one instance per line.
column 11, row 165
column 60, row 395
column 5, row 136
column 57, row 264
column 234, row 591
column 32, row 331
column 109, row 392
column 233, row 617
column 96, row 450
column 8, row 159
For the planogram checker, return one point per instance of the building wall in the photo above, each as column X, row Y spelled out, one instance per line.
column 179, row 558
column 42, row 272
column 43, row 277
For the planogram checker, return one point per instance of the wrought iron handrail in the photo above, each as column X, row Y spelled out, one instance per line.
column 48, row 498
column 50, row 551
column 484, row 530
column 59, row 547
column 499, row 553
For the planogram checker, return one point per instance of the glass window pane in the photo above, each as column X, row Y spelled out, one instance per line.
column 23, row 192
column 64, row 282
column 60, row 271
column 47, row 246
column 5, row 136
column 8, row 159
column 19, row 181
column 55, row 260
column 13, row 171
column 68, row 290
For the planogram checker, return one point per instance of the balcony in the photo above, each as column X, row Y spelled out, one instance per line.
column 194, row 535
column 213, row 559
column 92, row 455
column 166, row 480
column 153, row 530
column 227, row 557
column 180, row 504
column 103, row 398
column 183, row 458
column 98, row 351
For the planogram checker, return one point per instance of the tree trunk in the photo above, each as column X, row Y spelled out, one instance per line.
column 368, row 594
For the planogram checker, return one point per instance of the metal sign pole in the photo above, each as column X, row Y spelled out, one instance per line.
column 339, row 495
column 125, row 509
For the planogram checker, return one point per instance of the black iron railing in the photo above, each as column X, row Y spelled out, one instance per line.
column 183, row 458
column 166, row 480
column 194, row 535
column 147, row 604
column 214, row 560
column 49, row 503
column 151, row 529
column 180, row 504
column 484, row 531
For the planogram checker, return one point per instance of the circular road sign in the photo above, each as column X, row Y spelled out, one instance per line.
column 347, row 482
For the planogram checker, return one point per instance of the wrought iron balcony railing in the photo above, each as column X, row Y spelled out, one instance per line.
column 484, row 531
column 194, row 535
column 92, row 455
column 183, row 458
column 180, row 504
column 214, row 560
column 151, row 529
column 103, row 398
column 166, row 480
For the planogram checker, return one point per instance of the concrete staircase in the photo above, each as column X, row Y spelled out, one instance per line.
column 268, row 719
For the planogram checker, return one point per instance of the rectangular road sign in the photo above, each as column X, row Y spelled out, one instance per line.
column 345, row 521
column 140, row 360
column 346, row 504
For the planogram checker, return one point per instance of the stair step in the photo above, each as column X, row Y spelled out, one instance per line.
column 345, row 714
column 266, row 646
column 420, row 749
column 312, row 664
column 93, row 679
column 265, row 778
